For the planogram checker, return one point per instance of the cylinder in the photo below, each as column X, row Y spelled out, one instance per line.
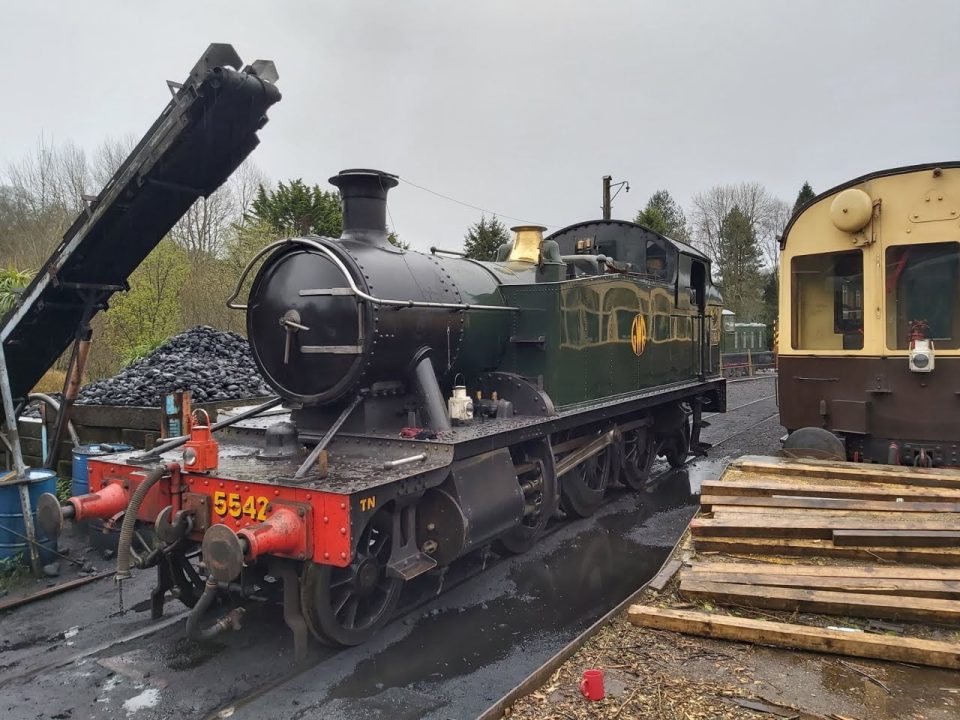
column 12, row 531
column 80, row 485
column 80, row 480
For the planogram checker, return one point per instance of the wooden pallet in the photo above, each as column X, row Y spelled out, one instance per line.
column 825, row 538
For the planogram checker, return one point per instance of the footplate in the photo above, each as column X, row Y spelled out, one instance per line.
column 411, row 566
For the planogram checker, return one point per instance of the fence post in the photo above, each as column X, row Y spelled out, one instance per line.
column 749, row 363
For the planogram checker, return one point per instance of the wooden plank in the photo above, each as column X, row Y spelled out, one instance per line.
column 13, row 602
column 887, row 571
column 899, row 538
column 661, row 579
column 826, row 548
column 932, row 653
column 733, row 512
column 765, row 526
column 865, row 492
column 902, row 474
column 827, row 602
column 942, row 589
column 758, row 503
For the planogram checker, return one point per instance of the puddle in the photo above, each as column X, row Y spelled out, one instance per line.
column 147, row 699
column 553, row 595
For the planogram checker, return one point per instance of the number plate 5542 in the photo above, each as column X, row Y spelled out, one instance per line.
column 237, row 505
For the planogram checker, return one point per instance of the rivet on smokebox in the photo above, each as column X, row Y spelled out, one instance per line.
column 343, row 556
column 343, row 531
column 326, row 556
column 326, row 519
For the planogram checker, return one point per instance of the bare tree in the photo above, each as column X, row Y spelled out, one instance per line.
column 109, row 156
column 763, row 212
column 244, row 184
column 771, row 230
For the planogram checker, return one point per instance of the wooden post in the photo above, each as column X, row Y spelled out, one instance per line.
column 749, row 363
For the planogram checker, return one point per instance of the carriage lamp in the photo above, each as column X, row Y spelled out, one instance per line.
column 921, row 347
column 921, row 356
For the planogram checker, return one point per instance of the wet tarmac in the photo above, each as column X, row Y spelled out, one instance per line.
column 461, row 639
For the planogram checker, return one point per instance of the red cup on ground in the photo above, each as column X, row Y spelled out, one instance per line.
column 592, row 684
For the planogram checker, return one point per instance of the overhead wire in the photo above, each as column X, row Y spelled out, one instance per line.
column 475, row 207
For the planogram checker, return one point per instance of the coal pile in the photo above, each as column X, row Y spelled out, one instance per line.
column 212, row 364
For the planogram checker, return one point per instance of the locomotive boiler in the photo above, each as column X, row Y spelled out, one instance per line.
column 433, row 405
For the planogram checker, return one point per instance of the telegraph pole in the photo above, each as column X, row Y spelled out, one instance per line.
column 623, row 185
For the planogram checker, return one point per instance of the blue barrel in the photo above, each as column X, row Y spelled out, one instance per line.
column 80, row 482
column 80, row 485
column 13, row 540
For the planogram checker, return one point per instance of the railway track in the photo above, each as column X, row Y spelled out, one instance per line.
column 233, row 666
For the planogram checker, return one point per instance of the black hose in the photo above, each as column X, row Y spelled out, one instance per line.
column 130, row 520
column 230, row 620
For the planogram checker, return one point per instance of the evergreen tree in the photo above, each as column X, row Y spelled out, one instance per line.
column 484, row 237
column 805, row 195
column 739, row 265
column 662, row 214
column 395, row 240
column 298, row 209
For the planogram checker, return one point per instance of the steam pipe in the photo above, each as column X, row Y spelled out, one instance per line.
column 431, row 399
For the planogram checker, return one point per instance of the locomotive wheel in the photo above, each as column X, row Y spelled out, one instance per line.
column 582, row 489
column 677, row 447
column 639, row 453
column 542, row 480
column 346, row 606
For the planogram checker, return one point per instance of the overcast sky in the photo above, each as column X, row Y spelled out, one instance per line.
column 518, row 107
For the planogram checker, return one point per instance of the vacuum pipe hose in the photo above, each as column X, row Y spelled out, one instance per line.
column 231, row 619
column 130, row 519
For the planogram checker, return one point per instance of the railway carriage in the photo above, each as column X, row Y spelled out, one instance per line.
column 869, row 342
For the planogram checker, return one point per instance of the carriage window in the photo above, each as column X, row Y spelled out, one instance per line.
column 922, row 293
column 828, row 301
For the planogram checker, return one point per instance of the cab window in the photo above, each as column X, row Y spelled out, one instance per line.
column 827, row 295
column 921, row 288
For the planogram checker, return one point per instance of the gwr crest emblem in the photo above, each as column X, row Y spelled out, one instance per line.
column 638, row 335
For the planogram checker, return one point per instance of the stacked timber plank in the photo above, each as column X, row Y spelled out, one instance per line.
column 929, row 595
column 828, row 539
column 813, row 508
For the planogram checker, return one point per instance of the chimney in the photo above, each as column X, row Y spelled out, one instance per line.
column 363, row 194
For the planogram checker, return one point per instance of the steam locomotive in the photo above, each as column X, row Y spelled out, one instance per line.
column 434, row 404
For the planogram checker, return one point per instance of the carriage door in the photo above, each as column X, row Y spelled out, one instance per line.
column 698, row 287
